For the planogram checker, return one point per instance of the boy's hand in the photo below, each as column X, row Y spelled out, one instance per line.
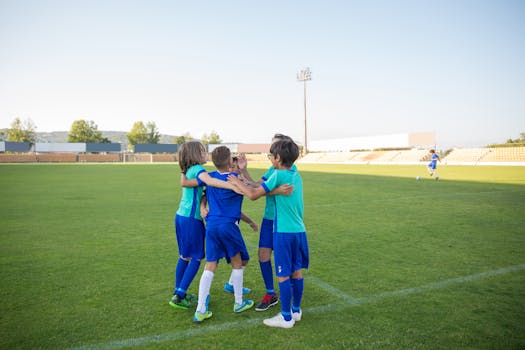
column 284, row 190
column 254, row 226
column 242, row 162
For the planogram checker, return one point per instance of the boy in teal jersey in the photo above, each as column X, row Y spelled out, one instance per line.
column 266, row 233
column 289, row 234
column 189, row 225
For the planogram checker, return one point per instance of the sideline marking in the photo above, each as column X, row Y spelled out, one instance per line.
column 347, row 301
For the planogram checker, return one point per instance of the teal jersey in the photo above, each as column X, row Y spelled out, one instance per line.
column 289, row 210
column 191, row 196
column 269, row 208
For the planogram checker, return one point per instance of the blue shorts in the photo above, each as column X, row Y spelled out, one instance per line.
column 224, row 240
column 266, row 234
column 290, row 251
column 432, row 165
column 190, row 237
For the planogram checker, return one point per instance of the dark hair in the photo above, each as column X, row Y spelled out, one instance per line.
column 287, row 150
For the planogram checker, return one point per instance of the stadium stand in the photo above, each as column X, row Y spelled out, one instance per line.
column 465, row 155
column 505, row 154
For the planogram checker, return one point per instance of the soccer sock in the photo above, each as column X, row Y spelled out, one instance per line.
column 285, row 291
column 179, row 272
column 267, row 275
column 204, row 289
column 230, row 281
column 189, row 275
column 297, row 291
column 237, row 280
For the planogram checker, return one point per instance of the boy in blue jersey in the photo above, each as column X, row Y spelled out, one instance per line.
column 434, row 157
column 189, row 226
column 223, row 237
column 266, row 233
column 289, row 234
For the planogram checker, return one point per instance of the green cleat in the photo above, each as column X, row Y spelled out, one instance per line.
column 201, row 316
column 192, row 298
column 179, row 303
column 245, row 305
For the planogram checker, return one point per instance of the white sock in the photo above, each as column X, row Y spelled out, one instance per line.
column 231, row 276
column 237, row 279
column 204, row 289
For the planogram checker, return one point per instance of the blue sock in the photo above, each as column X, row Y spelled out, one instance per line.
column 179, row 273
column 297, row 291
column 267, row 274
column 189, row 275
column 285, row 291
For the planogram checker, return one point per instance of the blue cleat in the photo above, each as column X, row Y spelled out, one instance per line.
column 228, row 288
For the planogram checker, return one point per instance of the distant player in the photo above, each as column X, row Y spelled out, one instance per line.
column 433, row 164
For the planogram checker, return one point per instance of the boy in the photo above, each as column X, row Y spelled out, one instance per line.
column 433, row 164
column 223, row 237
column 266, row 234
column 289, row 234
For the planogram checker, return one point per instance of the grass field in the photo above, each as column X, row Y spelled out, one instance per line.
column 88, row 254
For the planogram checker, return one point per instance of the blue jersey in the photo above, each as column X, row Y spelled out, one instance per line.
column 289, row 210
column 269, row 208
column 433, row 161
column 191, row 196
column 224, row 205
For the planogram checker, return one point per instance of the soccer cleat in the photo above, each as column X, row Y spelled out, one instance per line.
column 437, row 178
column 228, row 288
column 296, row 316
column 201, row 316
column 279, row 321
column 246, row 304
column 267, row 301
column 179, row 303
column 192, row 298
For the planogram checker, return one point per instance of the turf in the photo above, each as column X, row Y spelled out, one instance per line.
column 88, row 254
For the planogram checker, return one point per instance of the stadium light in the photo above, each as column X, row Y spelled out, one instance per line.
column 305, row 75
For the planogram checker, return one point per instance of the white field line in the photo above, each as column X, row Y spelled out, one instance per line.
column 346, row 300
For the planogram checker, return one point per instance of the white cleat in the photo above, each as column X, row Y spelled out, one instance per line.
column 279, row 321
column 296, row 316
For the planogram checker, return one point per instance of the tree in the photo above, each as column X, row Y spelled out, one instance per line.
column 183, row 138
column 138, row 134
column 85, row 131
column 213, row 138
column 152, row 133
column 22, row 131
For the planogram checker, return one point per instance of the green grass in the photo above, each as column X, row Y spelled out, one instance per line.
column 88, row 254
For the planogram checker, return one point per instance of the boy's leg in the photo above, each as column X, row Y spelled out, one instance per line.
column 205, row 285
column 182, row 264
column 237, row 281
column 297, row 296
column 189, row 276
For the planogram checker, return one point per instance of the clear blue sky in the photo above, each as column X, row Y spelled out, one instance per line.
column 378, row 67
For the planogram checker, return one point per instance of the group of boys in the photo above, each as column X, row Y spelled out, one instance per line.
column 282, row 230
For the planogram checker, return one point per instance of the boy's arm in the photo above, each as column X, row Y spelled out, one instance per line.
column 211, row 181
column 203, row 207
column 185, row 182
column 251, row 192
column 284, row 190
column 250, row 222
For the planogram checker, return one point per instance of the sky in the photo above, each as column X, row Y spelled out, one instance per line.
column 456, row 67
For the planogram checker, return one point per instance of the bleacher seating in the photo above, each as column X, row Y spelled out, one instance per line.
column 462, row 155
column 505, row 154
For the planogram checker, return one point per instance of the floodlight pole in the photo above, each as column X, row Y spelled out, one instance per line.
column 303, row 76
